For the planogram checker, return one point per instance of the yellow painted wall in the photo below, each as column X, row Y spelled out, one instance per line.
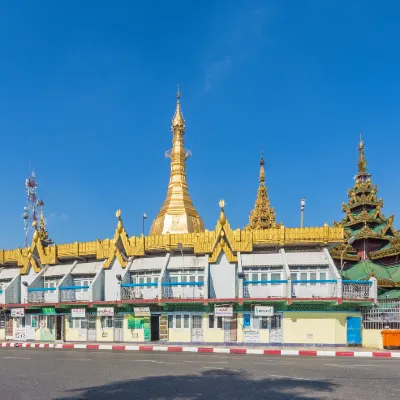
column 2, row 334
column 179, row 335
column 103, row 334
column 73, row 334
column 211, row 335
column 372, row 338
column 315, row 328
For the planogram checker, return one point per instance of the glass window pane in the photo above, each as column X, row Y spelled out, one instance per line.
column 254, row 277
column 186, row 321
column 211, row 321
column 313, row 277
column 192, row 278
column 256, row 323
column 178, row 322
column 246, row 277
column 173, row 279
column 275, row 277
column 156, row 280
column 264, row 277
column 264, row 323
column 219, row 322
column 184, row 278
column 170, row 321
column 293, row 276
column 303, row 277
column 83, row 323
column 322, row 277
column 200, row 278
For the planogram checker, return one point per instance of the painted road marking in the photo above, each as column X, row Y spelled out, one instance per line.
column 296, row 378
column 221, row 369
column 18, row 358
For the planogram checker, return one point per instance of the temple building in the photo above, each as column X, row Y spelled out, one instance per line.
column 264, row 284
column 372, row 246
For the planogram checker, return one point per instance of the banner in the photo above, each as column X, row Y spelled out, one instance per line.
column 17, row 312
column 78, row 312
column 105, row 312
column 49, row 311
column 20, row 334
column 263, row 311
column 251, row 336
column 223, row 311
column 141, row 311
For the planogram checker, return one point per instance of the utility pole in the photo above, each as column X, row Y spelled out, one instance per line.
column 302, row 206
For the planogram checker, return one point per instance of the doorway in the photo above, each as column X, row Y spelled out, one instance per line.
column 59, row 327
column 197, row 329
column 155, row 328
column 230, row 329
column 354, row 331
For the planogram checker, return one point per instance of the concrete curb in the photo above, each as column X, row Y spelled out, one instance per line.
column 194, row 349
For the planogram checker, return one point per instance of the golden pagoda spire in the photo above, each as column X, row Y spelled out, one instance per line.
column 177, row 214
column 263, row 215
column 362, row 162
column 43, row 233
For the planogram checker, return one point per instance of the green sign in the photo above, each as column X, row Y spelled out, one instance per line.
column 48, row 311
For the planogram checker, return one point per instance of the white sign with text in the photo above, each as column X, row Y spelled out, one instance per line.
column 263, row 311
column 223, row 311
column 17, row 312
column 105, row 312
column 78, row 312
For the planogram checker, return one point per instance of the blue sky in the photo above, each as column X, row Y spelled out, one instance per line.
column 87, row 93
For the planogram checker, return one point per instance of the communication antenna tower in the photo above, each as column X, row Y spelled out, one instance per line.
column 30, row 209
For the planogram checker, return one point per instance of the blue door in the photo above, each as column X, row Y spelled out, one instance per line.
column 353, row 330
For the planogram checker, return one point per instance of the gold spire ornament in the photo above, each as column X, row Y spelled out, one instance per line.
column 263, row 215
column 177, row 214
column 43, row 233
column 362, row 162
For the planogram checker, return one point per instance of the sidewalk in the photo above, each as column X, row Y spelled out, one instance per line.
column 242, row 349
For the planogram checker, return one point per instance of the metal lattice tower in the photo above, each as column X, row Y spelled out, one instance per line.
column 30, row 209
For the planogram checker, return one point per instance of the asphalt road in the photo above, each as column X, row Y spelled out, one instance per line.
column 33, row 374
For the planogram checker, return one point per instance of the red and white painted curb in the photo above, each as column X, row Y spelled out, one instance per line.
column 194, row 349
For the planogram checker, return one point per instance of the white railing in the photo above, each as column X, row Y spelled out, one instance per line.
column 183, row 292
column 264, row 290
column 314, row 289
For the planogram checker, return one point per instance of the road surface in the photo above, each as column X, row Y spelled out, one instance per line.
column 38, row 374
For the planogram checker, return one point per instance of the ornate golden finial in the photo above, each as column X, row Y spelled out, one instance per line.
column 178, row 123
column 222, row 216
column 43, row 234
column 42, row 226
column 263, row 215
column 177, row 214
column 362, row 162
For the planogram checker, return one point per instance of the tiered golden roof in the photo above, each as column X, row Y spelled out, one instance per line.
column 263, row 215
column 177, row 214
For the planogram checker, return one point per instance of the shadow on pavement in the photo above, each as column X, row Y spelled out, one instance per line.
column 213, row 384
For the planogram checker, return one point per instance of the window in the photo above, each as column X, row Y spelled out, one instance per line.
column 77, row 323
column 200, row 278
column 264, row 277
column 276, row 322
column 246, row 277
column 106, row 322
column 214, row 322
column 260, row 322
column 246, row 320
column 192, row 278
column 173, row 279
column 254, row 277
column 179, row 321
column 313, row 277
column 275, row 277
column 293, row 276
column 303, row 277
column 322, row 277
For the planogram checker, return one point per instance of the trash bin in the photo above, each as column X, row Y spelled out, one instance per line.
column 391, row 338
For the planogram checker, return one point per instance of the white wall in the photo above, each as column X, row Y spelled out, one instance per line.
column 29, row 278
column 223, row 276
column 112, row 287
column 13, row 291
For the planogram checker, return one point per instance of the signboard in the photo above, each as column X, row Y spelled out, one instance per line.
column 48, row 311
column 163, row 327
column 17, row 312
column 105, row 312
column 251, row 336
column 20, row 334
column 223, row 311
column 263, row 311
column 78, row 312
column 141, row 311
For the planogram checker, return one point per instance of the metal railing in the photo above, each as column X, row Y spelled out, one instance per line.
column 70, row 294
column 43, row 295
column 131, row 291
column 381, row 317
column 358, row 290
